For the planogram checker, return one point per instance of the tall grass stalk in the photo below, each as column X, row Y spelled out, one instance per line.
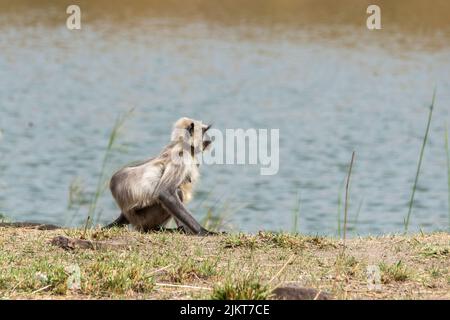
column 447, row 151
column 3, row 217
column 214, row 214
column 355, row 221
column 339, row 209
column 419, row 165
column 296, row 214
column 347, row 195
column 120, row 121
column 214, row 219
column 217, row 218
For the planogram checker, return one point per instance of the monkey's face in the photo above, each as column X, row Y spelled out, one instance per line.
column 193, row 134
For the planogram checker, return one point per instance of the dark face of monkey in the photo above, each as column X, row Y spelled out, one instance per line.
column 199, row 138
column 193, row 133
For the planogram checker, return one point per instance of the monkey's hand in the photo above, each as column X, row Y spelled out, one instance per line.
column 205, row 232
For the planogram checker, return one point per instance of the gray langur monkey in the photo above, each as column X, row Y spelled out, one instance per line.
column 154, row 191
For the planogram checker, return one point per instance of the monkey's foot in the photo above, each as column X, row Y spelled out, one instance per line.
column 205, row 232
column 164, row 229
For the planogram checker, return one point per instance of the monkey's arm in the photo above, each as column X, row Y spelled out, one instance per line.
column 172, row 203
column 120, row 221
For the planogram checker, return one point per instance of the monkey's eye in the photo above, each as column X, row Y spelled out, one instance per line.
column 191, row 129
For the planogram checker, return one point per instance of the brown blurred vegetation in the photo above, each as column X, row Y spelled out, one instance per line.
column 407, row 15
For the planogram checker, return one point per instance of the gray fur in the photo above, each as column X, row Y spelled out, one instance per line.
column 151, row 192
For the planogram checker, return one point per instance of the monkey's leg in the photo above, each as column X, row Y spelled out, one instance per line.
column 172, row 203
column 180, row 226
column 119, row 222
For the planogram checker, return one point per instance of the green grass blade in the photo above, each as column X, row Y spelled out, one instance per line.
column 339, row 209
column 100, row 182
column 447, row 151
column 296, row 214
column 416, row 180
column 347, row 194
column 355, row 221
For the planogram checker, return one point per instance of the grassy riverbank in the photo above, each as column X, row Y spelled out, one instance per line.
column 176, row 266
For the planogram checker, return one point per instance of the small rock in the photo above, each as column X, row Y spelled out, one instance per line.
column 294, row 292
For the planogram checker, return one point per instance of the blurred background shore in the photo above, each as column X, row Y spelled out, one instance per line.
column 407, row 15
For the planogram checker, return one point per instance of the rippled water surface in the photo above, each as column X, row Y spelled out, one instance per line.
column 62, row 90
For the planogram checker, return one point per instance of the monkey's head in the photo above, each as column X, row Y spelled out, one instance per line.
column 193, row 134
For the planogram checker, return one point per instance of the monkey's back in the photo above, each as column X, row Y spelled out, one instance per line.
column 133, row 186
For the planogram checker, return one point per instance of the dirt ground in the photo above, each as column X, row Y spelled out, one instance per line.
column 124, row 264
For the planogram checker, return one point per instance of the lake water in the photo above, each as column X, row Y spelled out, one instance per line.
column 328, row 93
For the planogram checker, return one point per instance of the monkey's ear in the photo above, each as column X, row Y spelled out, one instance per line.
column 206, row 128
column 191, row 128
